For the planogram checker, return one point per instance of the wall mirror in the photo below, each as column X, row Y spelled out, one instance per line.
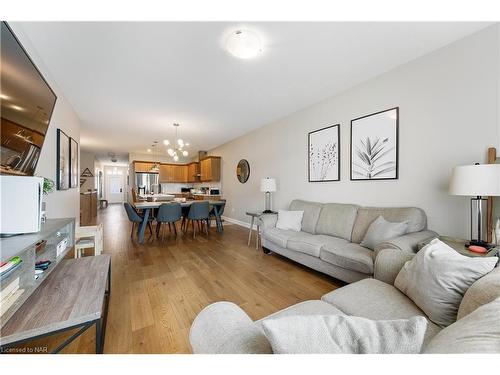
column 243, row 171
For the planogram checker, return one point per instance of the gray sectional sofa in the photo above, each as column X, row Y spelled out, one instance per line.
column 331, row 234
column 223, row 327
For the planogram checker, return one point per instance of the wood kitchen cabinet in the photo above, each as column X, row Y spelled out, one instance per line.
column 166, row 173
column 143, row 166
column 210, row 168
column 173, row 173
column 193, row 169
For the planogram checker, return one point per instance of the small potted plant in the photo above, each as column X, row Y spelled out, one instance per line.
column 48, row 187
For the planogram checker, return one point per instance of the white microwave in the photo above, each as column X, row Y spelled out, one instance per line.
column 20, row 204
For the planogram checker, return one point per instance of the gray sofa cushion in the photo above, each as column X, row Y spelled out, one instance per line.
column 478, row 332
column 416, row 218
column 311, row 214
column 278, row 236
column 374, row 299
column 484, row 290
column 337, row 220
column 312, row 307
column 306, row 243
column 348, row 255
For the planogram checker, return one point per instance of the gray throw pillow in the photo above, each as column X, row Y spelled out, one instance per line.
column 382, row 230
column 437, row 278
column 343, row 334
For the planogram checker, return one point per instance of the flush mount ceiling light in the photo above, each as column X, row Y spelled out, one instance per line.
column 244, row 44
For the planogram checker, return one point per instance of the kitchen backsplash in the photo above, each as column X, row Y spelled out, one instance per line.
column 176, row 188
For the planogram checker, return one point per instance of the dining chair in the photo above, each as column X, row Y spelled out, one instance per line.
column 199, row 212
column 216, row 212
column 135, row 218
column 89, row 237
column 168, row 213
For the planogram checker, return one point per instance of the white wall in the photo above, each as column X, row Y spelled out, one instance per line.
column 63, row 203
column 87, row 160
column 449, row 116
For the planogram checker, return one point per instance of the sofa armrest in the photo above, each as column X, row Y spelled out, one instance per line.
column 267, row 221
column 224, row 328
column 388, row 263
column 408, row 242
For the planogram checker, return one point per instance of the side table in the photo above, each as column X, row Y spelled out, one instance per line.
column 459, row 246
column 254, row 215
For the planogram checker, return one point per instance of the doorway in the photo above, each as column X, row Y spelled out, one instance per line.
column 115, row 188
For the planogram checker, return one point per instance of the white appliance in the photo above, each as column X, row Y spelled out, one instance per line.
column 20, row 204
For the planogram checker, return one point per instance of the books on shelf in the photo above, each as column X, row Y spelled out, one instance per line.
column 9, row 289
column 8, row 267
column 9, row 294
column 9, row 301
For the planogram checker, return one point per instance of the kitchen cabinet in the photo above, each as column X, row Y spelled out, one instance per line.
column 166, row 173
column 210, row 168
column 143, row 166
column 193, row 169
column 173, row 173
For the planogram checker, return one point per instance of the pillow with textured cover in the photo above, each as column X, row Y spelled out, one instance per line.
column 437, row 278
column 290, row 220
column 343, row 334
column 382, row 230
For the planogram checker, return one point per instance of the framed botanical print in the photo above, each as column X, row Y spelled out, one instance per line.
column 374, row 146
column 73, row 156
column 324, row 154
column 63, row 161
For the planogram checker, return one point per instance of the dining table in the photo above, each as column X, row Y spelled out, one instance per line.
column 147, row 206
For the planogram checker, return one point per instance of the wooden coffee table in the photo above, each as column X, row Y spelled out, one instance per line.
column 75, row 295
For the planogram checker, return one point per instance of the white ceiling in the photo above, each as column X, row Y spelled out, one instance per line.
column 129, row 81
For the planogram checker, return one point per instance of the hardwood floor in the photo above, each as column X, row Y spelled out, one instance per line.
column 159, row 287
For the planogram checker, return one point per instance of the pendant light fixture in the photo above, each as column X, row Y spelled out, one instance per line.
column 156, row 166
column 177, row 147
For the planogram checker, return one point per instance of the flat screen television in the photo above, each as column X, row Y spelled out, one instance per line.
column 27, row 102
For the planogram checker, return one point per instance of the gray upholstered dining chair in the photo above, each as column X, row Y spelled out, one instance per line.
column 135, row 218
column 218, row 210
column 199, row 212
column 168, row 213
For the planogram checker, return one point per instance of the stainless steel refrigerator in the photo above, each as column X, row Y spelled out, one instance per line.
column 147, row 183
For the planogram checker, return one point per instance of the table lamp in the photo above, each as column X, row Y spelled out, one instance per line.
column 479, row 180
column 268, row 185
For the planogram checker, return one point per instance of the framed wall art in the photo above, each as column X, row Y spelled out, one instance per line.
column 324, row 154
column 62, row 160
column 374, row 146
column 73, row 155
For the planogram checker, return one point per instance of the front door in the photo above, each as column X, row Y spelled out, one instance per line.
column 115, row 189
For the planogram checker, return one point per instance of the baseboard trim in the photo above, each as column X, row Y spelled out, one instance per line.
column 239, row 222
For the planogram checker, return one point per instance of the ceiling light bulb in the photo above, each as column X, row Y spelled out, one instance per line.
column 149, row 150
column 176, row 158
column 180, row 142
column 170, row 152
column 166, row 142
column 186, row 144
column 243, row 44
column 185, row 153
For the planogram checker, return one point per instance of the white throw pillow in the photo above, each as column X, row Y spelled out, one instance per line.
column 437, row 278
column 343, row 334
column 289, row 220
column 382, row 230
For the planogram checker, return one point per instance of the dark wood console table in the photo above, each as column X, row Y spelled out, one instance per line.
column 75, row 295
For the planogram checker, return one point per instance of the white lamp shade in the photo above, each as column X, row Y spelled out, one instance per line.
column 268, row 184
column 475, row 180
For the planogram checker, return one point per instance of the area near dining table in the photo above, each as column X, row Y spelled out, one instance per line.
column 146, row 207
